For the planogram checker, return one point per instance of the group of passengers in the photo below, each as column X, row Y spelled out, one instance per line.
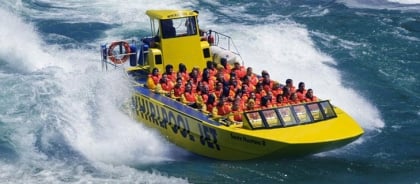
column 223, row 89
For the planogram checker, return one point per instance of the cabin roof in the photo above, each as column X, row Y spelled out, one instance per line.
column 170, row 14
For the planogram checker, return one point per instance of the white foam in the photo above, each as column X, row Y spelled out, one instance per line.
column 409, row 5
column 405, row 1
column 21, row 47
column 82, row 104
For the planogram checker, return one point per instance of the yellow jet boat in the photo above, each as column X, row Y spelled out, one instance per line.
column 273, row 132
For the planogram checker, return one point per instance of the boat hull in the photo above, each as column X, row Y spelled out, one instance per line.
column 198, row 133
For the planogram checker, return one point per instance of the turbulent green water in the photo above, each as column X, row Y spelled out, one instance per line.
column 61, row 119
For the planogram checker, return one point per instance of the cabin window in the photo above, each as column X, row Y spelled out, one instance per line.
column 271, row 118
column 287, row 116
column 302, row 114
column 315, row 112
column 255, row 119
column 328, row 109
column 178, row 27
column 158, row 59
column 206, row 52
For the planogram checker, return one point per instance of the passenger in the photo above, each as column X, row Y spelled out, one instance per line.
column 264, row 72
column 153, row 79
column 165, row 85
column 221, row 75
column 183, row 70
column 229, row 93
column 234, row 83
column 211, row 68
column 226, row 66
column 236, row 111
column 293, row 99
column 286, row 94
column 203, row 96
column 252, row 96
column 189, row 97
column 209, row 104
column 266, row 101
column 246, row 81
column 259, row 91
column 301, row 91
column 289, row 84
column 192, row 84
column 208, row 80
column 199, row 87
column 169, row 71
column 178, row 90
column 277, row 90
column 245, row 92
column 218, row 90
column 279, row 101
column 253, row 79
column 182, row 77
column 222, row 108
column 267, row 82
column 239, row 70
column 310, row 96
column 251, row 105
column 195, row 75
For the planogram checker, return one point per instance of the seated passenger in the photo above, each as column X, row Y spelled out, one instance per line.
column 279, row 101
column 182, row 71
column 250, row 105
column 289, row 84
column 227, row 68
column 301, row 91
column 267, row 82
column 253, row 79
column 207, row 79
column 211, row 66
column 239, row 70
column 286, row 94
column 195, row 75
column 218, row 90
column 277, row 90
column 165, row 85
column 310, row 96
column 177, row 90
column 189, row 97
column 259, row 91
column 236, row 111
column 293, row 99
column 222, row 108
column 266, row 101
column 203, row 96
column 169, row 70
column 209, row 104
column 153, row 79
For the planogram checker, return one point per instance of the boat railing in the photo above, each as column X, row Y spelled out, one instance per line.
column 223, row 41
column 119, row 52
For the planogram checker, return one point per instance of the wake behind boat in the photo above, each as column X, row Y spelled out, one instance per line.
column 193, row 87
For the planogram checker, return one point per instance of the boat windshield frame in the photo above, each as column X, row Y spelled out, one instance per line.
column 292, row 115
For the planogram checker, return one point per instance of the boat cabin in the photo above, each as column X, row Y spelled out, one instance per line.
column 175, row 38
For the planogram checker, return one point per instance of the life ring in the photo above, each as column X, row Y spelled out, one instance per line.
column 119, row 60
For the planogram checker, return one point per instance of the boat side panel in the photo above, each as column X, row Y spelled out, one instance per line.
column 195, row 132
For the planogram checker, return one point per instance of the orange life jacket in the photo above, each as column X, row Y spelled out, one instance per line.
column 237, row 115
column 223, row 110
column 191, row 97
